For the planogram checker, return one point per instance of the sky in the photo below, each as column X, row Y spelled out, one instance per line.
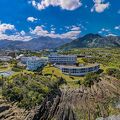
column 65, row 19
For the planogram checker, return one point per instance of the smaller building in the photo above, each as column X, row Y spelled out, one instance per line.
column 5, row 58
column 62, row 59
column 79, row 71
column 24, row 59
column 33, row 63
column 19, row 56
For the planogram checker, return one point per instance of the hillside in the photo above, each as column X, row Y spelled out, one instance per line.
column 51, row 95
column 87, row 41
column 86, row 103
column 93, row 41
column 34, row 44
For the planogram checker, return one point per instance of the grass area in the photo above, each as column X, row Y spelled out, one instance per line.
column 55, row 72
column 18, row 73
column 3, row 68
column 107, row 57
column 80, row 61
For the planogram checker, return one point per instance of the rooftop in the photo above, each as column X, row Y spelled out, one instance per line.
column 78, row 67
column 59, row 55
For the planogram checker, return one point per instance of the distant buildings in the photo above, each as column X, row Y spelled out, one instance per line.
column 33, row 63
column 24, row 60
column 19, row 56
column 62, row 59
column 5, row 58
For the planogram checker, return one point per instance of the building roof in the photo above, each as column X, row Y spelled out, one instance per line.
column 78, row 67
column 62, row 56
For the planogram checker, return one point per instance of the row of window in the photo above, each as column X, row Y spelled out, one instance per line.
column 82, row 70
column 62, row 59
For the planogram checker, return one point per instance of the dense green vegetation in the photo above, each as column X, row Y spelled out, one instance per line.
column 90, row 79
column 27, row 90
column 107, row 57
column 113, row 72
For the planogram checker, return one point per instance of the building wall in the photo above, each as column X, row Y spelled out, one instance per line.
column 24, row 60
column 34, row 63
column 63, row 59
column 79, row 71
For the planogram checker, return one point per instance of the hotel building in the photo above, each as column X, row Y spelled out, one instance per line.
column 62, row 59
column 79, row 71
column 33, row 63
column 24, row 59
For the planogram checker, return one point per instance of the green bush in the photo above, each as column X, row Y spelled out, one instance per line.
column 27, row 89
column 90, row 78
column 113, row 72
column 16, row 69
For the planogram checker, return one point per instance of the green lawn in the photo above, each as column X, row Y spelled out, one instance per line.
column 2, row 68
column 71, row 80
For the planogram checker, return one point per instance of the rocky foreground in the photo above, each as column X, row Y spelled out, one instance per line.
column 83, row 103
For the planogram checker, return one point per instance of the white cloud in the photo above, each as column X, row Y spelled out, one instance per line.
column 39, row 31
column 4, row 27
column 15, row 36
column 75, row 28
column 117, row 27
column 64, row 4
column 100, row 6
column 72, row 34
column 111, row 34
column 31, row 19
column 104, row 30
column 22, row 33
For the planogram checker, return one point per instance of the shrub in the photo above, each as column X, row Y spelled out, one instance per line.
column 113, row 72
column 90, row 79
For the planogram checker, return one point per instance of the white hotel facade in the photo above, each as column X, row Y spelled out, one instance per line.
column 67, row 64
column 62, row 59
column 33, row 63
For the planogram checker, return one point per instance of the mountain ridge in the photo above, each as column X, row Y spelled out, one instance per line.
column 88, row 41
column 93, row 41
column 34, row 44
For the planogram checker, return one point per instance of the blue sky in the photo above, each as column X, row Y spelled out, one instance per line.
column 25, row 19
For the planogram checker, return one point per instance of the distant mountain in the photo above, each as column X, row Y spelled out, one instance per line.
column 9, row 44
column 93, row 41
column 87, row 41
column 34, row 44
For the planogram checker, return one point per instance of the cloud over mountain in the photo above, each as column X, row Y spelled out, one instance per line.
column 15, row 35
column 4, row 27
column 38, row 31
column 73, row 33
